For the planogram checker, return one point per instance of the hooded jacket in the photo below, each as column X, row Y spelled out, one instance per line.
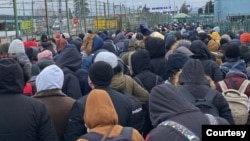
column 202, row 53
column 70, row 61
column 75, row 125
column 237, row 74
column 91, row 44
column 99, row 103
column 49, row 83
column 157, row 50
column 166, row 103
column 140, row 64
column 194, row 80
column 22, row 117
column 122, row 82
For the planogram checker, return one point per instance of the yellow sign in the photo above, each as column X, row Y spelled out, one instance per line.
column 27, row 25
column 101, row 24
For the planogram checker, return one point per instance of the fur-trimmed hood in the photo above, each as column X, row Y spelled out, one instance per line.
column 183, row 42
column 92, row 43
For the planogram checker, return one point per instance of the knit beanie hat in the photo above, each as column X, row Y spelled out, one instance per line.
column 45, row 53
column 101, row 73
column 245, row 38
column 232, row 51
column 16, row 46
column 107, row 57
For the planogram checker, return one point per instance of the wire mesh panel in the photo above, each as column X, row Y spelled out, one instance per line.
column 32, row 18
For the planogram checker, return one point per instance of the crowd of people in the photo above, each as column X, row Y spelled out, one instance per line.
column 127, row 86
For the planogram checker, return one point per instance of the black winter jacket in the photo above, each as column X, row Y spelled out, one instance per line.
column 76, row 126
column 22, row 118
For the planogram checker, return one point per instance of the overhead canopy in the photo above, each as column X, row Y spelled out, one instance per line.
column 181, row 16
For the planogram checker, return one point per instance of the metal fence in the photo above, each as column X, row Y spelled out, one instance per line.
column 35, row 17
column 31, row 18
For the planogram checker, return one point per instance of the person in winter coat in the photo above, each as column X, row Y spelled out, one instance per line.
column 91, row 44
column 175, row 63
column 232, row 54
column 121, row 43
column 70, row 61
column 49, row 84
column 157, row 50
column 202, row 53
column 193, row 79
column 235, row 77
column 120, row 81
column 46, row 45
column 99, row 103
column 178, row 44
column 166, row 103
column 16, row 48
column 22, row 118
column 100, row 76
column 140, row 65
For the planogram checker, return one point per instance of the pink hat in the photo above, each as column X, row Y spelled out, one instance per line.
column 45, row 53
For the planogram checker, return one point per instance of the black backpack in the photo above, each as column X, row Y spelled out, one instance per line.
column 137, row 118
column 124, row 136
column 204, row 104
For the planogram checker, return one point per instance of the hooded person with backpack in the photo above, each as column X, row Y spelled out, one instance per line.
column 195, row 88
column 170, row 112
column 103, row 127
column 236, row 89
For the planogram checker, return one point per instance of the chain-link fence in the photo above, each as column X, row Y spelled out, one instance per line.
column 31, row 18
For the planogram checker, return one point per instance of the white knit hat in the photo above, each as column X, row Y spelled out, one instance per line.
column 16, row 46
column 107, row 57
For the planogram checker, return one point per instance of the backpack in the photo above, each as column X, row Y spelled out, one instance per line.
column 140, row 82
column 124, row 136
column 204, row 104
column 237, row 100
column 137, row 115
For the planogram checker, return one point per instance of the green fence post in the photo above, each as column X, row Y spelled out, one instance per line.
column 108, row 14
column 16, row 18
column 47, row 18
column 105, row 16
column 96, row 14
column 67, row 13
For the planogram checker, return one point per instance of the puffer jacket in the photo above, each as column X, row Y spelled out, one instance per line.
column 22, row 118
